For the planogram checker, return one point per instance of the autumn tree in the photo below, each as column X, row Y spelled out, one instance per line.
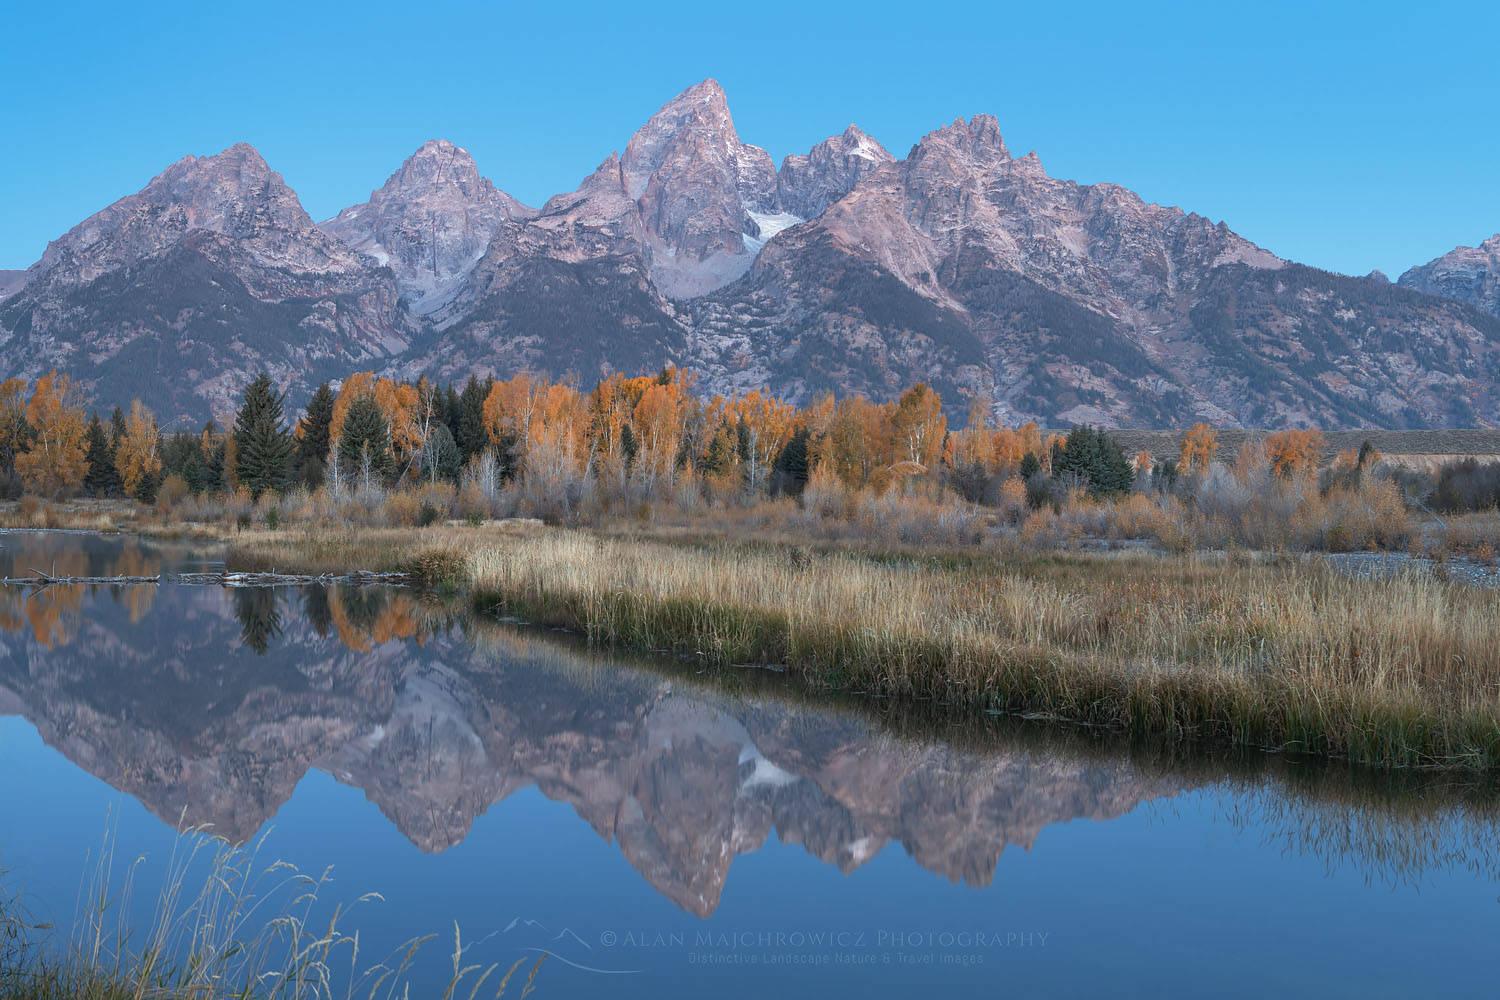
column 1295, row 452
column 138, row 456
column 1199, row 446
column 767, row 424
column 657, row 423
column 857, row 441
column 918, row 426
column 54, row 464
column 263, row 449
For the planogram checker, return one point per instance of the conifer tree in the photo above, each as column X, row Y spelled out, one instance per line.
column 116, row 428
column 102, row 478
column 263, row 448
column 315, row 425
column 365, row 444
column 472, row 437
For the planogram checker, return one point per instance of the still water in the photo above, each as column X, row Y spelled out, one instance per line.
column 661, row 831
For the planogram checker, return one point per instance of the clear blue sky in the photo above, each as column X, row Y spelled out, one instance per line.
column 1347, row 135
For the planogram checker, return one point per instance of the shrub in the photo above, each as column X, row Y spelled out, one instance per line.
column 440, row 568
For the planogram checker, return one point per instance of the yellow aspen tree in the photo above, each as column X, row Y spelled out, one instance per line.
column 138, row 455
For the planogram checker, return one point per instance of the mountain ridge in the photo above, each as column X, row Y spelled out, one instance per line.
column 845, row 269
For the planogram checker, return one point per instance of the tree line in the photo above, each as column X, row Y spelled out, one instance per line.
column 642, row 435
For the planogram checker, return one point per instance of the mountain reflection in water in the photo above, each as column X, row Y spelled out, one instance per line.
column 209, row 706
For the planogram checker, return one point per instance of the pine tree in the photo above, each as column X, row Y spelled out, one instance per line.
column 102, row 478
column 790, row 469
column 263, row 448
column 440, row 455
column 116, row 428
column 365, row 443
column 312, row 442
column 1094, row 459
column 471, row 437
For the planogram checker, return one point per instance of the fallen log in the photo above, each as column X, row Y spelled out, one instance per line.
column 219, row 578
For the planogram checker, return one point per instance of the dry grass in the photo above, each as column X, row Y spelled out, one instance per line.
column 227, row 925
column 1396, row 672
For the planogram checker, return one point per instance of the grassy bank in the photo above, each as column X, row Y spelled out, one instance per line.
column 1282, row 654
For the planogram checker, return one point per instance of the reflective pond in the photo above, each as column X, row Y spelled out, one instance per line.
column 659, row 830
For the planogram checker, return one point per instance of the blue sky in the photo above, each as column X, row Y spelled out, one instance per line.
column 1346, row 135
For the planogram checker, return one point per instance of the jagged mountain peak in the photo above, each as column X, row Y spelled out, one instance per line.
column 233, row 193
column 430, row 222
column 977, row 138
column 809, row 182
column 698, row 116
column 695, row 182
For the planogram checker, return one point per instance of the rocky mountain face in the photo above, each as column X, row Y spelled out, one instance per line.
column 178, row 293
column 1468, row 274
column 11, row 282
column 173, row 704
column 846, row 270
column 977, row 271
column 809, row 183
column 431, row 222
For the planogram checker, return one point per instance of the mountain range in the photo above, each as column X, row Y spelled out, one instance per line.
column 845, row 269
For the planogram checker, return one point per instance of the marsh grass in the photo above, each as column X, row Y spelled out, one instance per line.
column 1278, row 655
column 226, row 925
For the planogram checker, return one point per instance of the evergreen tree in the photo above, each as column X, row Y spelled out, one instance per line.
column 440, row 455
column 312, row 442
column 789, row 471
column 452, row 410
column 1030, row 465
column 366, row 438
column 263, row 448
column 1095, row 460
column 212, row 443
column 629, row 446
column 102, row 478
column 470, row 436
column 116, row 429
column 182, row 455
column 721, row 453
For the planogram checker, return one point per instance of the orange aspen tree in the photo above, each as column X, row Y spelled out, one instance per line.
column 510, row 406
column 54, row 465
column 918, row 426
column 1199, row 446
column 1295, row 453
column 657, row 422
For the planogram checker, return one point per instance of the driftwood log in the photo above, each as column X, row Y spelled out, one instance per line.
column 219, row 578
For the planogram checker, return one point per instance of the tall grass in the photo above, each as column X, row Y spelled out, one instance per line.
column 1285, row 655
column 226, row 925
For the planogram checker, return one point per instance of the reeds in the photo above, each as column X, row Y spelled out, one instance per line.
column 1285, row 655
column 226, row 926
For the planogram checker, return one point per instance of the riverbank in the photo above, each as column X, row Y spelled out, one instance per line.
column 1277, row 654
